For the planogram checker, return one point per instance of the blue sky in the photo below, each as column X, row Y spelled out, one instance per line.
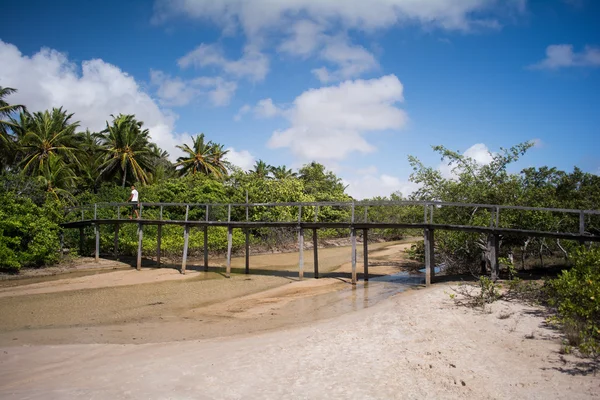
column 355, row 85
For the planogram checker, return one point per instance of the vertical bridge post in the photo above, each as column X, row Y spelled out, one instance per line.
column 159, row 236
column 186, row 239
column 429, row 255
column 97, row 232
column 247, row 270
column 229, row 243
column 206, row 241
column 493, row 250
column 353, row 240
column 301, row 253
column 315, row 253
column 366, row 254
column 139, row 252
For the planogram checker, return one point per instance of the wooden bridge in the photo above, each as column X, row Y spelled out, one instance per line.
column 492, row 220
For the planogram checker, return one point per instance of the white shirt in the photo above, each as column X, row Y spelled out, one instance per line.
column 134, row 194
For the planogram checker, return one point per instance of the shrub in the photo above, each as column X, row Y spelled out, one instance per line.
column 576, row 296
column 27, row 236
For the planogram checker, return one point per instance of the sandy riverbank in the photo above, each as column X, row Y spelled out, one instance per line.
column 275, row 337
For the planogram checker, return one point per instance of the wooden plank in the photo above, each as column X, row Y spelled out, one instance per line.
column 139, row 253
column 97, row 252
column 206, row 248
column 116, row 242
column 301, row 253
column 186, row 239
column 493, row 250
column 229, row 243
column 316, row 252
column 353, row 240
column 366, row 254
column 158, row 240
column 247, row 251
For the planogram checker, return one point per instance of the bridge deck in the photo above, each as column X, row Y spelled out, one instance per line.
column 340, row 225
column 357, row 222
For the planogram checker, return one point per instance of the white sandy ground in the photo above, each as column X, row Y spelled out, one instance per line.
column 416, row 345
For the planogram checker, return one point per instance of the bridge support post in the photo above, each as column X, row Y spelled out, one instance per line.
column 353, row 241
column 429, row 255
column 139, row 253
column 247, row 251
column 206, row 248
column 229, row 243
column 301, row 253
column 97, row 252
column 158, row 240
column 62, row 243
column 116, row 242
column 493, row 249
column 186, row 240
column 81, row 239
column 316, row 252
column 366, row 254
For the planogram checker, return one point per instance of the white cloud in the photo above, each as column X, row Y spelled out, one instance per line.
column 93, row 91
column 351, row 60
column 329, row 123
column 246, row 108
column 306, row 28
column 562, row 56
column 303, row 38
column 478, row 152
column 253, row 64
column 264, row 108
column 178, row 92
column 368, row 184
column 258, row 16
column 242, row 159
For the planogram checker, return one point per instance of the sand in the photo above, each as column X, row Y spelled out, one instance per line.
column 281, row 338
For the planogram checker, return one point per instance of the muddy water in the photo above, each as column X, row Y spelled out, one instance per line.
column 203, row 305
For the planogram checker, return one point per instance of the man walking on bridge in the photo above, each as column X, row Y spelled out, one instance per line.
column 133, row 199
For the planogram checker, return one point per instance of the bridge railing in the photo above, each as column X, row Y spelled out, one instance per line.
column 380, row 212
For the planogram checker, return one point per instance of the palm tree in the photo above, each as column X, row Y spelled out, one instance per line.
column 6, row 110
column 261, row 169
column 42, row 135
column 283, row 173
column 163, row 168
column 91, row 159
column 57, row 178
column 203, row 157
column 126, row 150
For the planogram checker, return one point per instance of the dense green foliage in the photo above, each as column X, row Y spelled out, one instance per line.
column 28, row 233
column 576, row 296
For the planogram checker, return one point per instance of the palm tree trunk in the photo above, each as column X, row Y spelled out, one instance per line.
column 124, row 177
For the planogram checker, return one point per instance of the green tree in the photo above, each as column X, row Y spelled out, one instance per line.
column 282, row 172
column 322, row 184
column 262, row 170
column 58, row 179
column 163, row 168
column 6, row 110
column 127, row 154
column 46, row 134
column 203, row 157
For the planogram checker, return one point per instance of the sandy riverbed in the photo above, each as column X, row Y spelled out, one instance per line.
column 274, row 337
